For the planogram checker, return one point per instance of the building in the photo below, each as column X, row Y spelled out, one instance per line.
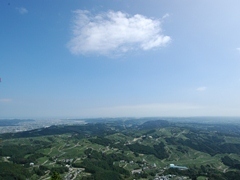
column 137, row 171
column 178, row 167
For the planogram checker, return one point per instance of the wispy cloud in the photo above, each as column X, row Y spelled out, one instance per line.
column 114, row 32
column 146, row 110
column 6, row 100
column 22, row 10
column 238, row 49
column 203, row 88
column 165, row 16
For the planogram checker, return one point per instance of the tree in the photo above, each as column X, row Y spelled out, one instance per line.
column 56, row 176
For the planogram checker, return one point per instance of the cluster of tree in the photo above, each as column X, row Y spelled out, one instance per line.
column 142, row 149
column 13, row 171
column 60, row 169
column 120, row 146
column 101, row 140
column 150, row 132
column 223, row 129
column 154, row 124
column 182, row 149
column 18, row 152
column 55, row 176
column 41, row 170
column 157, row 150
column 160, row 151
column 205, row 143
column 226, row 129
column 232, row 163
column 100, row 165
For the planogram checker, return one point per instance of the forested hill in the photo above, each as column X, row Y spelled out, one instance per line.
column 116, row 149
column 154, row 124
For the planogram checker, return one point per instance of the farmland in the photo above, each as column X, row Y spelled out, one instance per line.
column 118, row 149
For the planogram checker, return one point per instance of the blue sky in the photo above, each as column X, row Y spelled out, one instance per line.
column 68, row 59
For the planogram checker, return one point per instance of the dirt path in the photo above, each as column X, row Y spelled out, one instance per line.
column 225, row 170
column 50, row 151
column 44, row 162
column 61, row 147
column 44, row 177
column 74, row 146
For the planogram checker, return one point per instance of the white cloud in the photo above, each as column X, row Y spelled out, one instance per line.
column 114, row 32
column 203, row 88
column 22, row 10
column 238, row 49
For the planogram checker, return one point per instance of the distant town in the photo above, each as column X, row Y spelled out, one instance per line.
column 19, row 125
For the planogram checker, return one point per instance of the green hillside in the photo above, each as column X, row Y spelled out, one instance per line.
column 122, row 150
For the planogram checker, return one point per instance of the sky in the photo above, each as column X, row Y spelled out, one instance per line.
column 119, row 58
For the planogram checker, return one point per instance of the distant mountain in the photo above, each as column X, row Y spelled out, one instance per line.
column 154, row 124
